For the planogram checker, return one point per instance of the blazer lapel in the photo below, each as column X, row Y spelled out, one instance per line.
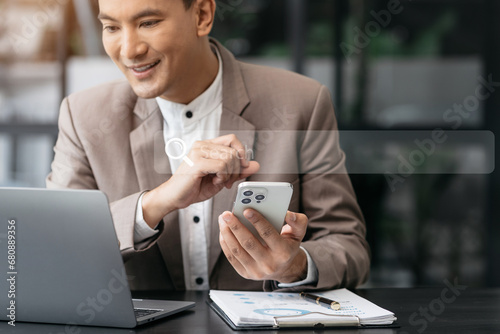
column 235, row 100
column 148, row 145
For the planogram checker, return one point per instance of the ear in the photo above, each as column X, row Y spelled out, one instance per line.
column 205, row 14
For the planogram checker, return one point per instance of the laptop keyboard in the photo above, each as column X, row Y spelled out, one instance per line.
column 142, row 312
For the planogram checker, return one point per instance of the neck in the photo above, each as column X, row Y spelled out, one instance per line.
column 200, row 76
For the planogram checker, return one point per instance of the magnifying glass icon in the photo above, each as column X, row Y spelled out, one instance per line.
column 176, row 149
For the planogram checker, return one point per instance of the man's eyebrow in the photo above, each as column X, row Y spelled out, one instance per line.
column 103, row 16
column 145, row 13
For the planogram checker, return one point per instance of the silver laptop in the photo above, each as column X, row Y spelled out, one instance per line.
column 60, row 262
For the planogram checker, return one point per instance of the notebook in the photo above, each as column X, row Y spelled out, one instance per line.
column 60, row 262
column 262, row 310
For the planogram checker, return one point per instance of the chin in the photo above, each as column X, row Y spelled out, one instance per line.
column 145, row 93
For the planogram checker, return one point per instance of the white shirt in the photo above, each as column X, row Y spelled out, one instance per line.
column 199, row 120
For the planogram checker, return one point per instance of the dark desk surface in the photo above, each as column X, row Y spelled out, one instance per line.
column 424, row 310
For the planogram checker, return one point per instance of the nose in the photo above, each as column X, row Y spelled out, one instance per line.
column 132, row 46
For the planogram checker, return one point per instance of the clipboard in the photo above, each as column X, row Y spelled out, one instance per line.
column 306, row 321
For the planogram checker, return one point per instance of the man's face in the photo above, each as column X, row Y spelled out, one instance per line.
column 153, row 42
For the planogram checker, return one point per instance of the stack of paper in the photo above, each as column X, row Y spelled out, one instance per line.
column 273, row 309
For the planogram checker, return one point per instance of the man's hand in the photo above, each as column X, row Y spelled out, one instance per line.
column 216, row 163
column 281, row 259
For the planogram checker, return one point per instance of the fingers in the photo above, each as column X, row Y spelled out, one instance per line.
column 266, row 231
column 240, row 269
column 244, row 251
column 208, row 158
column 209, row 166
column 238, row 154
column 242, row 243
column 254, row 260
column 233, row 142
column 295, row 227
column 231, row 245
column 223, row 156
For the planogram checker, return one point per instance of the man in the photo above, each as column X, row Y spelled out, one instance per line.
column 172, row 215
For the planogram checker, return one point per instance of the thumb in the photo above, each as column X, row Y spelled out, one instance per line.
column 296, row 225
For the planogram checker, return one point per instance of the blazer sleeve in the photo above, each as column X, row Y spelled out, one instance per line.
column 335, row 238
column 71, row 169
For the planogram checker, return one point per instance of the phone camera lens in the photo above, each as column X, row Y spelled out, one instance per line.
column 246, row 201
column 248, row 193
column 260, row 197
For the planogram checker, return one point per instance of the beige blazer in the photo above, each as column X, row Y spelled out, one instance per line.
column 109, row 139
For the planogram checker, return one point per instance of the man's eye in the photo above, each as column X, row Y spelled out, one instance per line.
column 110, row 29
column 149, row 24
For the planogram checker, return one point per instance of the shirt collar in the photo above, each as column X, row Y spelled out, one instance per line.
column 199, row 108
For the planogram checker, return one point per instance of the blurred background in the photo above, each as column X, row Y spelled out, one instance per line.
column 396, row 69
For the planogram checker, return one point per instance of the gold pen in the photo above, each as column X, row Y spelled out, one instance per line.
column 321, row 301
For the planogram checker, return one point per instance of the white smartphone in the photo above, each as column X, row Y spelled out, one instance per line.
column 271, row 199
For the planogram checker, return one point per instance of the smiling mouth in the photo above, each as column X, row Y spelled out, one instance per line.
column 145, row 68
